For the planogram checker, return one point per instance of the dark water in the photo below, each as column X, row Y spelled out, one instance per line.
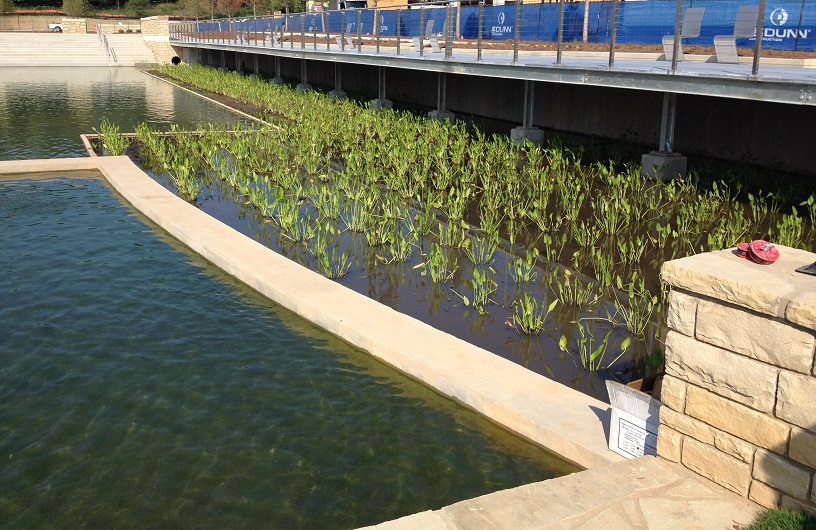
column 140, row 387
column 44, row 110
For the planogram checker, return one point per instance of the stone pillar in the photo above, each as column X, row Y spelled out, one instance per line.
column 739, row 393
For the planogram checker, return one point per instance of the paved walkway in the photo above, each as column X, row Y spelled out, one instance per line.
column 647, row 494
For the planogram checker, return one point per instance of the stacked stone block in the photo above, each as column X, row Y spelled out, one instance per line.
column 156, row 34
column 739, row 393
column 74, row 25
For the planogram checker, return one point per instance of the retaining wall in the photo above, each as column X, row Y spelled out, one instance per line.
column 156, row 34
column 740, row 388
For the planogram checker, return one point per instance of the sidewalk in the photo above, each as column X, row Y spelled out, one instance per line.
column 647, row 493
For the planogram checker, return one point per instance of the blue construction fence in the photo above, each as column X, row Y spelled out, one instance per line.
column 789, row 25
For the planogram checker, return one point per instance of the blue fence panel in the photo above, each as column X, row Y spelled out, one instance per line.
column 789, row 24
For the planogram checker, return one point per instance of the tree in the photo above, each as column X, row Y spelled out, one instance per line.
column 137, row 7
column 228, row 7
column 75, row 8
column 6, row 6
column 294, row 6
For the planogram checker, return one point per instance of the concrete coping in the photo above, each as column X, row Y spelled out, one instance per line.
column 775, row 289
column 561, row 419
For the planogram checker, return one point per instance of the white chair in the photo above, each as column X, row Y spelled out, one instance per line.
column 744, row 27
column 692, row 22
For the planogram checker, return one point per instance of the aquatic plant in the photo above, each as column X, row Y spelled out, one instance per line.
column 113, row 143
column 529, row 316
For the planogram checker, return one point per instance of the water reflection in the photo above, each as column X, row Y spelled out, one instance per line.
column 43, row 111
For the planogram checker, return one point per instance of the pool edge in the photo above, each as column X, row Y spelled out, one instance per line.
column 550, row 414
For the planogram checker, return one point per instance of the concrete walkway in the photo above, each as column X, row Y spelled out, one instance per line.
column 647, row 494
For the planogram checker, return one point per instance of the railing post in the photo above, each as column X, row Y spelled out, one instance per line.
column 516, row 35
column 614, row 33
column 399, row 38
column 343, row 30
column 678, row 22
column 327, row 24
column 377, row 25
column 449, row 27
column 421, row 30
column 359, row 30
column 314, row 31
column 760, row 29
column 560, row 45
column 479, row 37
column 303, row 31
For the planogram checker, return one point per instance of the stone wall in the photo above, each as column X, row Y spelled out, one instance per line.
column 739, row 393
column 74, row 25
column 156, row 34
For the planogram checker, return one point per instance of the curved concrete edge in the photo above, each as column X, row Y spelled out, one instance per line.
column 558, row 418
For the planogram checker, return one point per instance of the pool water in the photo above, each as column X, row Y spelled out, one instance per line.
column 43, row 111
column 141, row 387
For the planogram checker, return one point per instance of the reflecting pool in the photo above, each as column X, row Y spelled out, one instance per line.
column 141, row 387
column 44, row 110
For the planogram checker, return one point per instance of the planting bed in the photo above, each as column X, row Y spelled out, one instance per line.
column 527, row 252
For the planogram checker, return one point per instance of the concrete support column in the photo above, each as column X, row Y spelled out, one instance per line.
column 664, row 164
column 338, row 92
column 255, row 68
column 238, row 64
column 223, row 62
column 441, row 100
column 527, row 132
column 277, row 80
column 304, row 79
column 381, row 103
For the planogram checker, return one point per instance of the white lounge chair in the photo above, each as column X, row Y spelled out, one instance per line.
column 346, row 35
column 420, row 41
column 692, row 22
column 744, row 27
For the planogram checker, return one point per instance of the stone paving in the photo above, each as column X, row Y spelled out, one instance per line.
column 647, row 494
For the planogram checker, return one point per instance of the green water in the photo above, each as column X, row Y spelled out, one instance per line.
column 140, row 387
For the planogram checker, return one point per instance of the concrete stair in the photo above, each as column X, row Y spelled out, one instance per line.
column 65, row 49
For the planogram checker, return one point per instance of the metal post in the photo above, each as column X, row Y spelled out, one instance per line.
column 304, row 80
column 441, row 91
column 377, row 24
column 678, row 22
column 449, row 32
column 291, row 33
column 302, row 31
column 399, row 38
column 381, row 83
column 314, row 32
column 560, row 45
column 614, row 33
column 255, row 63
column 328, row 46
column 516, row 36
column 421, row 30
column 343, row 31
column 338, row 77
column 529, row 92
column 277, row 67
column 359, row 30
column 479, row 38
column 760, row 29
column 667, row 122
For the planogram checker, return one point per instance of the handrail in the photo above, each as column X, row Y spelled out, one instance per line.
column 263, row 30
column 103, row 41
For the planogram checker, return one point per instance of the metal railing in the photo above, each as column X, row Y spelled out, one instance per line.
column 103, row 41
column 442, row 29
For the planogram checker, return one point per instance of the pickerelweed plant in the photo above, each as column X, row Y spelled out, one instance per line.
column 388, row 187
